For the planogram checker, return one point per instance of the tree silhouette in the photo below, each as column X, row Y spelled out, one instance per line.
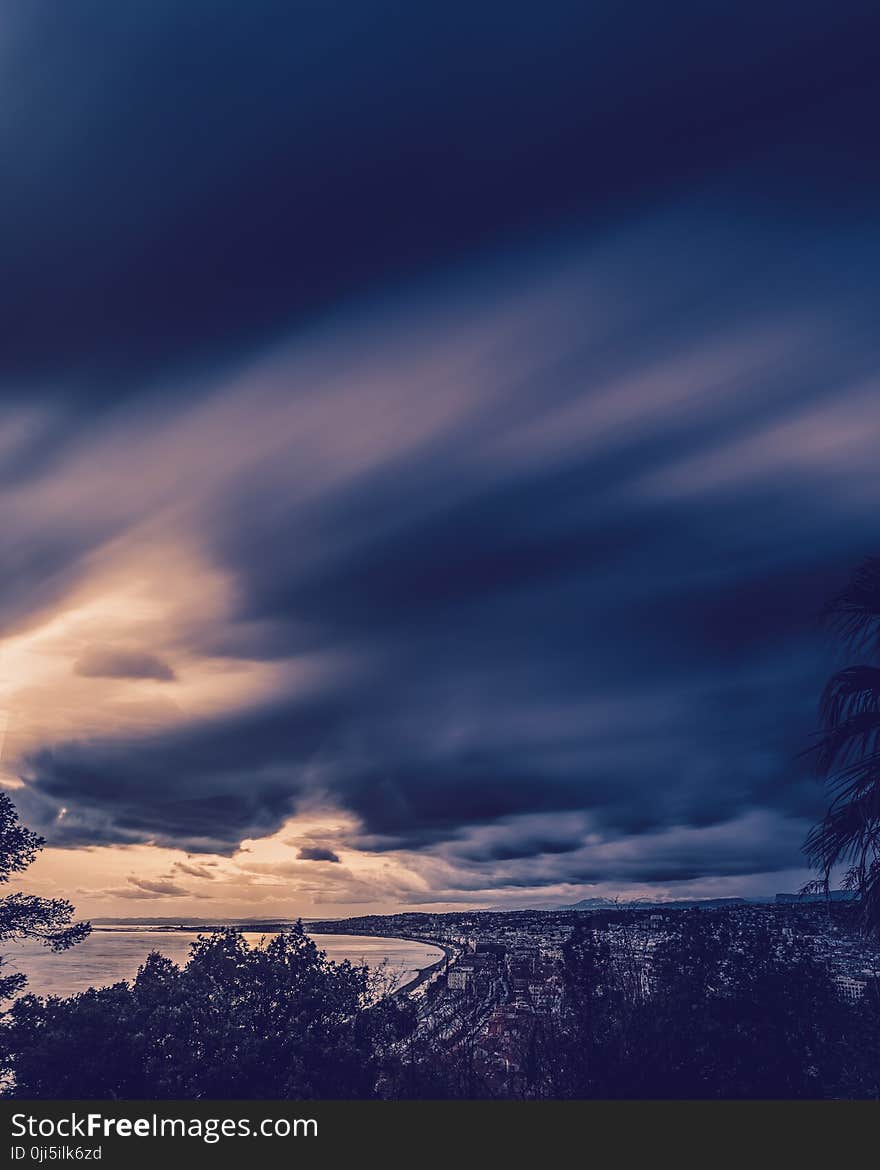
column 279, row 1021
column 24, row 916
column 848, row 753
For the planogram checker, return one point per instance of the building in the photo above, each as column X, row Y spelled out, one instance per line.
column 849, row 988
column 459, row 978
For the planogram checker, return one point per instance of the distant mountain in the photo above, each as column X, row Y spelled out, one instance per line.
column 672, row 904
column 584, row 904
column 588, row 904
column 591, row 904
column 833, row 896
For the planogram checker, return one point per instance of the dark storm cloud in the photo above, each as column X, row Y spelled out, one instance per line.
column 565, row 515
column 189, row 180
column 114, row 662
column 208, row 786
column 316, row 853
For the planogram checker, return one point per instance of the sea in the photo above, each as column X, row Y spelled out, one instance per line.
column 111, row 954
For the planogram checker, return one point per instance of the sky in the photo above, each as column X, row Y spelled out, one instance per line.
column 428, row 435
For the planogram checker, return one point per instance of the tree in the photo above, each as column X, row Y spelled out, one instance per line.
column 24, row 916
column 278, row 1021
column 848, row 753
column 592, row 1042
column 732, row 1007
column 740, row 1010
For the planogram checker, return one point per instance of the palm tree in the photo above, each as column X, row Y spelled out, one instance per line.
column 848, row 753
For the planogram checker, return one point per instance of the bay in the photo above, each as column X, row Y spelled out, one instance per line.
column 110, row 955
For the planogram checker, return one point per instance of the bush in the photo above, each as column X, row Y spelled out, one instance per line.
column 275, row 1022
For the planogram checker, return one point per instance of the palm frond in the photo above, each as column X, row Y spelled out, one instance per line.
column 854, row 742
column 870, row 895
column 850, row 692
column 816, row 886
column 848, row 750
column 847, row 835
column 854, row 778
column 854, row 613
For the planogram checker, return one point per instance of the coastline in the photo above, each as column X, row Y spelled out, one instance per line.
column 427, row 973
column 424, row 974
column 119, row 951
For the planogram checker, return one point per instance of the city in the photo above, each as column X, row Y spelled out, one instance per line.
column 502, row 977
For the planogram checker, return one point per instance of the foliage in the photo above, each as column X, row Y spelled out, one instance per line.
column 848, row 752
column 731, row 1010
column 276, row 1021
column 739, row 1013
column 24, row 916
